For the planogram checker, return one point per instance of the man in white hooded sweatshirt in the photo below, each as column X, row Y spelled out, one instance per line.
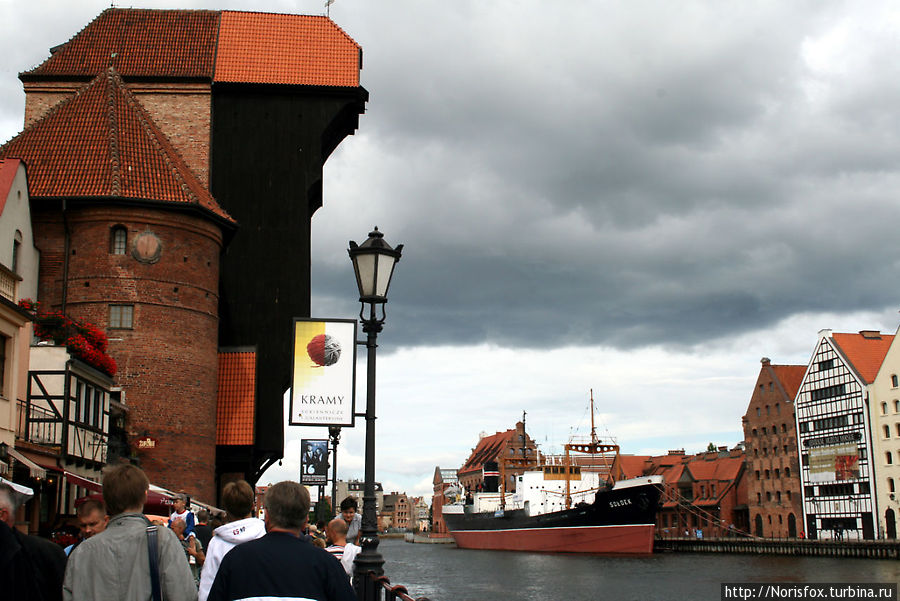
column 237, row 497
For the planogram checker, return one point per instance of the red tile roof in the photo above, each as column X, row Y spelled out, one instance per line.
column 285, row 49
column 791, row 377
column 865, row 352
column 140, row 42
column 102, row 144
column 229, row 46
column 633, row 466
column 8, row 170
column 487, row 450
column 236, row 404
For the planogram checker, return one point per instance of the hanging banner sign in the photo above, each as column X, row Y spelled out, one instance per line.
column 323, row 384
column 314, row 462
column 834, row 463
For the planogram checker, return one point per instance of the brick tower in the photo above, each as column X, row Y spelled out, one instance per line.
column 246, row 107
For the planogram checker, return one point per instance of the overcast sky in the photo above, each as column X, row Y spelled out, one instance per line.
column 643, row 198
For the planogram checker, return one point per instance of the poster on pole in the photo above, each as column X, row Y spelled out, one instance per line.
column 323, row 383
column 314, row 462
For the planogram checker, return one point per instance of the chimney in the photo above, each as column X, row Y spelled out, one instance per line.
column 765, row 361
column 870, row 334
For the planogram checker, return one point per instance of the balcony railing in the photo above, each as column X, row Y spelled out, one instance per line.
column 39, row 425
column 8, row 283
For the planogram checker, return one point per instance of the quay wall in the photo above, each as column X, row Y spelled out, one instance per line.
column 869, row 549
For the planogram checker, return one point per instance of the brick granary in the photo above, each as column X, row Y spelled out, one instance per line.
column 174, row 161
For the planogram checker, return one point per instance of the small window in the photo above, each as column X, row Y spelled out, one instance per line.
column 896, row 406
column 887, row 431
column 768, row 410
column 894, row 381
column 787, row 473
column 883, row 408
column 118, row 242
column 897, row 426
column 17, row 248
column 891, row 485
column 888, row 458
column 3, row 340
column 121, row 316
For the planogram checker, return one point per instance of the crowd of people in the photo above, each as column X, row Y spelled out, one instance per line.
column 122, row 555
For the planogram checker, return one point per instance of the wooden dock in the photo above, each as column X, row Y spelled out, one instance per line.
column 870, row 549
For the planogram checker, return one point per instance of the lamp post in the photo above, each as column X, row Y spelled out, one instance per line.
column 334, row 434
column 373, row 263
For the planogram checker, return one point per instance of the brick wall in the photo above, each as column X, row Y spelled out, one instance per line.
column 167, row 364
column 773, row 464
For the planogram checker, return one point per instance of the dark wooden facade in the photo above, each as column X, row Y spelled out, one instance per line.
column 269, row 145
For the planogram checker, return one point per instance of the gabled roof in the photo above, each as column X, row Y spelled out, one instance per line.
column 139, row 42
column 487, row 450
column 791, row 377
column 285, row 49
column 865, row 351
column 229, row 46
column 8, row 170
column 633, row 466
column 102, row 144
column 236, row 403
column 718, row 469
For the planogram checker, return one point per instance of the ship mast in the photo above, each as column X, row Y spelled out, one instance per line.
column 594, row 448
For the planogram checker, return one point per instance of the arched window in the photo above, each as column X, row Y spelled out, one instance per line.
column 894, row 380
column 896, row 406
column 887, row 431
column 891, row 485
column 118, row 240
column 787, row 473
column 777, row 475
column 888, row 458
column 898, row 428
column 767, row 410
column 777, row 408
column 767, row 473
column 884, row 408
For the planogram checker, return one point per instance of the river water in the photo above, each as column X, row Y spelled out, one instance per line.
column 445, row 573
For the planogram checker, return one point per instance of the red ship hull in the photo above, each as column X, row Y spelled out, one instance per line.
column 628, row 539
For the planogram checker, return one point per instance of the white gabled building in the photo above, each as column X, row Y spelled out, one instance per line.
column 884, row 414
column 834, row 435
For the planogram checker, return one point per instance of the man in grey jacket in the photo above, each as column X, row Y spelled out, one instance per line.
column 115, row 564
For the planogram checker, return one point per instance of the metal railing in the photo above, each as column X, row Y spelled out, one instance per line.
column 39, row 425
column 378, row 585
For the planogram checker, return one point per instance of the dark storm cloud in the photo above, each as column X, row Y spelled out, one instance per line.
column 603, row 173
column 630, row 175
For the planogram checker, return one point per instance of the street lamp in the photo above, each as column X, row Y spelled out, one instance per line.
column 373, row 263
column 334, row 435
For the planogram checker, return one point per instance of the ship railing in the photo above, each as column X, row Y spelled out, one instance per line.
column 381, row 584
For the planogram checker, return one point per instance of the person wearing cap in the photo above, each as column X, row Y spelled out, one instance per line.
column 182, row 513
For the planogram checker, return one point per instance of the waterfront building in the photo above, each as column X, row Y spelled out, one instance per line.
column 884, row 415
column 443, row 480
column 481, row 472
column 770, row 443
column 706, row 492
column 355, row 488
column 395, row 513
column 834, row 434
column 420, row 510
column 206, row 120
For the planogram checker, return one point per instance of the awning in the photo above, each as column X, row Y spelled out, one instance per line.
column 23, row 493
column 36, row 470
column 83, row 482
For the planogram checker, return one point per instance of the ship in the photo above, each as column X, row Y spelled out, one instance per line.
column 575, row 503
